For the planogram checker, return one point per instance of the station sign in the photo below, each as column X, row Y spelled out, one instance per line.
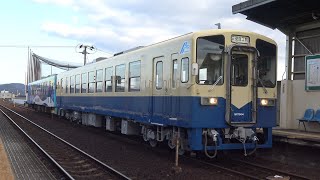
column 312, row 79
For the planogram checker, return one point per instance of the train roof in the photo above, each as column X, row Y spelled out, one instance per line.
column 178, row 38
column 192, row 34
column 45, row 79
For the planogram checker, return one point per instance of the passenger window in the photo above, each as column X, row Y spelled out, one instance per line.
column 120, row 78
column 72, row 84
column 159, row 75
column 184, row 70
column 91, row 82
column 134, row 76
column 61, row 84
column 174, row 73
column 99, row 80
column 78, row 83
column 67, row 85
column 108, row 84
column 84, row 81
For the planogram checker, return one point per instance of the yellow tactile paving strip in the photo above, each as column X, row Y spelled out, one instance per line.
column 5, row 168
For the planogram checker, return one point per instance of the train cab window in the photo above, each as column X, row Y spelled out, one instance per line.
column 134, row 76
column 174, row 73
column 67, row 85
column 267, row 63
column 84, row 82
column 78, row 83
column 184, row 70
column 108, row 83
column 120, row 77
column 91, row 82
column 99, row 80
column 210, row 59
column 239, row 70
column 159, row 75
column 72, row 85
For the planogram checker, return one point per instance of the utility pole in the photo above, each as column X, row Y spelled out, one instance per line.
column 219, row 25
column 86, row 50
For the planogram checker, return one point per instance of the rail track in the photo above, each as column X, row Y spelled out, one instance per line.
column 247, row 169
column 73, row 162
column 240, row 168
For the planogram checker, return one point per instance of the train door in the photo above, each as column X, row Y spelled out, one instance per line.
column 173, row 90
column 241, row 102
column 240, row 88
column 159, row 88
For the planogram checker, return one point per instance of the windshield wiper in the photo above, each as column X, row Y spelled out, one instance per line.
column 263, row 87
column 215, row 83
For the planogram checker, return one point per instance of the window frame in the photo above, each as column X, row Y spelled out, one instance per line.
column 156, row 83
column 72, row 84
column 181, row 70
column 67, row 84
column 108, row 80
column 91, row 81
column 134, row 77
column 122, row 78
column 221, row 82
column 77, row 83
column 99, row 81
column 175, row 75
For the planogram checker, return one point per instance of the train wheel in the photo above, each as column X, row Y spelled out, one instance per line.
column 153, row 143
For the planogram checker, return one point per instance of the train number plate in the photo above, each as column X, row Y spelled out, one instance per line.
column 240, row 39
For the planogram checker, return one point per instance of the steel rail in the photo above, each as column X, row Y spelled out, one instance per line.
column 250, row 164
column 271, row 169
column 38, row 146
column 109, row 168
column 224, row 168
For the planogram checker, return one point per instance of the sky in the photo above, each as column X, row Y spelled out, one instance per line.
column 54, row 28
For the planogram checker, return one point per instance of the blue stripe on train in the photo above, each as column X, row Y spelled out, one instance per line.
column 183, row 111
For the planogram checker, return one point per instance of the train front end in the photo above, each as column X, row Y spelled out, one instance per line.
column 235, row 90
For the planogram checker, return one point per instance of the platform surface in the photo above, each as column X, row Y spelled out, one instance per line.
column 23, row 161
column 297, row 136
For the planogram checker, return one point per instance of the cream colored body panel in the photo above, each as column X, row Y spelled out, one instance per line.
column 170, row 49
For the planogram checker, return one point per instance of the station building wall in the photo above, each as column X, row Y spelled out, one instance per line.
column 294, row 101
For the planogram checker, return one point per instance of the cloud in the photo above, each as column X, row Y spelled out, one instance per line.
column 57, row 2
column 119, row 25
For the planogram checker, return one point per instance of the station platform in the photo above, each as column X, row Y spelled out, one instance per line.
column 298, row 137
column 18, row 160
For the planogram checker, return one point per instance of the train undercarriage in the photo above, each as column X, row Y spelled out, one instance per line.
column 207, row 140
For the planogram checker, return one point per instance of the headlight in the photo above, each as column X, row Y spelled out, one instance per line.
column 267, row 102
column 213, row 101
column 207, row 101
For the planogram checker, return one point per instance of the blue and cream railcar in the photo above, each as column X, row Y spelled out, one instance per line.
column 211, row 88
column 42, row 93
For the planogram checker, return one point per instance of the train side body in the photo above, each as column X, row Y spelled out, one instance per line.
column 43, row 92
column 160, row 88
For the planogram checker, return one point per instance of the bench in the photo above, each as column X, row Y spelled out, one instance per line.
column 308, row 116
column 316, row 117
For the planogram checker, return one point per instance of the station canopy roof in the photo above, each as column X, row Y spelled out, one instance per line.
column 280, row 14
